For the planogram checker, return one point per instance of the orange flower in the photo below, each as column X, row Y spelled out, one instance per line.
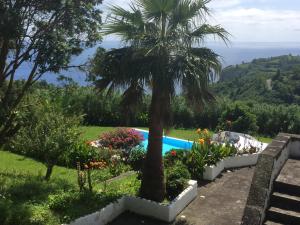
column 201, row 141
column 198, row 131
column 205, row 131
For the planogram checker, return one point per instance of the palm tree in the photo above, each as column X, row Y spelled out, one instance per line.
column 163, row 49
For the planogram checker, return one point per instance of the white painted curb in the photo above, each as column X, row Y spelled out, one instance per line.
column 211, row 172
column 164, row 212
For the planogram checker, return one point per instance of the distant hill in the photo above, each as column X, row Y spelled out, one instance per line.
column 271, row 80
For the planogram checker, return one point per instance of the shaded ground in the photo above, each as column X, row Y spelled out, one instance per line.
column 290, row 172
column 220, row 202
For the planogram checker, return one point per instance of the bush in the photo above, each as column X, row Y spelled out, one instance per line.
column 122, row 138
column 136, row 158
column 49, row 135
column 175, row 155
column 177, row 178
column 238, row 118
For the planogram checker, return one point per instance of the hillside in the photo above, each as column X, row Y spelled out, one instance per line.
column 272, row 80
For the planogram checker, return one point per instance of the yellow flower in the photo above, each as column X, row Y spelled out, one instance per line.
column 205, row 131
column 198, row 131
column 201, row 141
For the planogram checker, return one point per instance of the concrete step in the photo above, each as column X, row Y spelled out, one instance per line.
column 286, row 188
column 272, row 223
column 285, row 201
column 283, row 216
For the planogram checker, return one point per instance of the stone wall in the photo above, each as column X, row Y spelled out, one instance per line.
column 269, row 165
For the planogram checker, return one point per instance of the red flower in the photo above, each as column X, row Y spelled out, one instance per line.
column 173, row 153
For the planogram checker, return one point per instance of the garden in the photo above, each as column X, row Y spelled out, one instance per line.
column 53, row 169
column 88, row 178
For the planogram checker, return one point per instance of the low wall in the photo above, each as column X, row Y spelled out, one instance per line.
column 270, row 162
column 164, row 212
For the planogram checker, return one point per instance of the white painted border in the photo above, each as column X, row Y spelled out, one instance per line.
column 240, row 161
column 211, row 172
column 164, row 212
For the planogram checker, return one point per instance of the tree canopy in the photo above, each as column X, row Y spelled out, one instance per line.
column 43, row 34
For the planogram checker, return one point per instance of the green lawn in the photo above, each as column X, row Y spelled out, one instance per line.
column 25, row 198
column 93, row 132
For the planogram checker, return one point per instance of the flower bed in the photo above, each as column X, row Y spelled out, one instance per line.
column 164, row 212
column 209, row 157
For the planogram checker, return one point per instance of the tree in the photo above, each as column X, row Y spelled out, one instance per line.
column 48, row 134
column 42, row 35
column 163, row 48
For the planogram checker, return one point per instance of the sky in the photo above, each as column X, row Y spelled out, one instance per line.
column 250, row 20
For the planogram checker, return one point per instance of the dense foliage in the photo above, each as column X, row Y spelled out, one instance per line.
column 47, row 135
column 44, row 34
column 246, row 116
column 273, row 80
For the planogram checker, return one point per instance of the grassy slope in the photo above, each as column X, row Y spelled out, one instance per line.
column 22, row 191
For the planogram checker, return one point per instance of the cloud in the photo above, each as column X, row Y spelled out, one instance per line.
column 253, row 24
column 221, row 4
column 248, row 20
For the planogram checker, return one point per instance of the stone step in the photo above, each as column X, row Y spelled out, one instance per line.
column 272, row 223
column 286, row 188
column 283, row 216
column 285, row 201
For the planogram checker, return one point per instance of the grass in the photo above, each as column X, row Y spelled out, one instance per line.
column 25, row 198
column 93, row 132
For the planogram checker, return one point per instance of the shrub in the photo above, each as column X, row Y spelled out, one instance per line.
column 81, row 152
column 49, row 135
column 238, row 118
column 175, row 155
column 122, row 138
column 136, row 158
column 177, row 178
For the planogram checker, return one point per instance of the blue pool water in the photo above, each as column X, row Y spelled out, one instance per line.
column 168, row 142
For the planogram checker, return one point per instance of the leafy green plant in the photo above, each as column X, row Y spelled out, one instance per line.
column 175, row 155
column 49, row 135
column 136, row 158
column 177, row 177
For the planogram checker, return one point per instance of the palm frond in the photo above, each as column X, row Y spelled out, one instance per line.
column 188, row 10
column 205, row 30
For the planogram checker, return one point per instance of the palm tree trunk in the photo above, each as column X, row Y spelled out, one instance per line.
column 153, row 183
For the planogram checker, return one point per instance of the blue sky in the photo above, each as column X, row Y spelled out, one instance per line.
column 252, row 20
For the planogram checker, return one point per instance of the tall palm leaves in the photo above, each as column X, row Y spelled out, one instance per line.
column 164, row 41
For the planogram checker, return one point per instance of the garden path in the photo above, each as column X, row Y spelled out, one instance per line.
column 220, row 202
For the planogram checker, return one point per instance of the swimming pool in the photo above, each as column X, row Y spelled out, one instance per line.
column 169, row 143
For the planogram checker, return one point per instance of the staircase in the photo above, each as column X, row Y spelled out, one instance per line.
column 285, row 200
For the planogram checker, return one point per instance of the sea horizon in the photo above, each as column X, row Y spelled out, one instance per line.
column 231, row 54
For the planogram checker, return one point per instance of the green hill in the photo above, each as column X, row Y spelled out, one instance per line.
column 272, row 80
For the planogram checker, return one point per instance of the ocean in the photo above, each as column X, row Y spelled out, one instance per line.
column 232, row 54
